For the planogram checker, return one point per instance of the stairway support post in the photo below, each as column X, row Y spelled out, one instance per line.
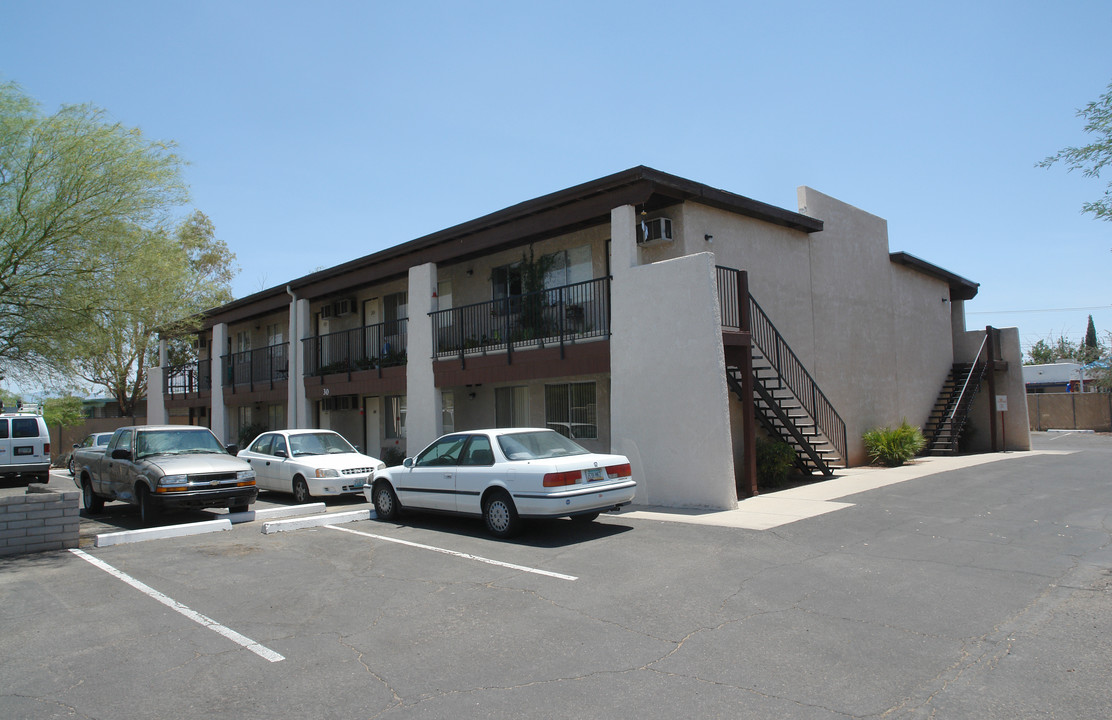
column 748, row 419
column 990, row 359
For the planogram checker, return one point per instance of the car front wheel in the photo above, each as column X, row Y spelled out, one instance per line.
column 500, row 515
column 301, row 491
column 386, row 502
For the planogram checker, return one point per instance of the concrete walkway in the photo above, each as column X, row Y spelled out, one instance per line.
column 772, row 510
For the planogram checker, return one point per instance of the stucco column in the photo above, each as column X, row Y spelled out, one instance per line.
column 623, row 238
column 156, row 400
column 424, row 421
column 219, row 349
column 297, row 405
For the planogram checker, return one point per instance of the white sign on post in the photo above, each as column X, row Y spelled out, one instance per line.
column 1002, row 403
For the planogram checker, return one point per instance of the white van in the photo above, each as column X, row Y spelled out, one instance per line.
column 24, row 447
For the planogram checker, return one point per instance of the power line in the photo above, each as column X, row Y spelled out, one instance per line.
column 1013, row 312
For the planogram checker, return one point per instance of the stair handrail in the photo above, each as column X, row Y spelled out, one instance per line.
column 968, row 377
column 789, row 367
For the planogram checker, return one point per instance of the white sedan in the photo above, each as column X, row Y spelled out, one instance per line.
column 308, row 463
column 503, row 476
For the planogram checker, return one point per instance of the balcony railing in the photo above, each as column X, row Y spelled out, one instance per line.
column 365, row 348
column 266, row 365
column 548, row 317
column 188, row 378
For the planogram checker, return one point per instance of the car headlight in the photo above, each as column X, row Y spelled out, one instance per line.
column 327, row 472
column 243, row 475
column 380, row 466
column 174, row 480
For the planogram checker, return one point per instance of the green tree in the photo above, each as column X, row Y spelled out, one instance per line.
column 63, row 412
column 155, row 283
column 68, row 183
column 1090, row 349
column 1091, row 158
column 1041, row 353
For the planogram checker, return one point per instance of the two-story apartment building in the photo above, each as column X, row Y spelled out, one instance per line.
column 640, row 313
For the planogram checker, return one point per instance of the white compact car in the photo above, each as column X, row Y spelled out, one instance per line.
column 309, row 463
column 505, row 475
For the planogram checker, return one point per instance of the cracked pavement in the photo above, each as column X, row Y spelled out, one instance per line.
column 982, row 592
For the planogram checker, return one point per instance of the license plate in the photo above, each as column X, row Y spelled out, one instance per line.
column 25, row 451
column 595, row 474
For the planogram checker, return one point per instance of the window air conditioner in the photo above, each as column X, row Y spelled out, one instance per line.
column 344, row 307
column 654, row 231
column 326, row 311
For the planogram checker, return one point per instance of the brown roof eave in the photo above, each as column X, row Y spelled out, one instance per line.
column 960, row 288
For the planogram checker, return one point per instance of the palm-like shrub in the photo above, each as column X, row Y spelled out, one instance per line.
column 893, row 446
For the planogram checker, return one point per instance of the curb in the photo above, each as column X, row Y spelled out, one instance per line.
column 160, row 533
column 200, row 528
column 316, row 521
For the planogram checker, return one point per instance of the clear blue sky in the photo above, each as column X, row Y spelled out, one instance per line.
column 320, row 132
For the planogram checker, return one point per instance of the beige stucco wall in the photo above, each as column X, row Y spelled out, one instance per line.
column 923, row 349
column 669, row 401
column 1016, row 432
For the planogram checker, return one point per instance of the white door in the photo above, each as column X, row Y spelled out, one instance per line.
column 372, row 415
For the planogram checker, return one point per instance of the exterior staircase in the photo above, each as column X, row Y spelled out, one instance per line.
column 788, row 403
column 951, row 410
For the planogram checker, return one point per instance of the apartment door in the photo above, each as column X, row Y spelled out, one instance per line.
column 372, row 426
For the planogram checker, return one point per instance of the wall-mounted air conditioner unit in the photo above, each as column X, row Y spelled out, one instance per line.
column 326, row 311
column 344, row 307
column 657, row 230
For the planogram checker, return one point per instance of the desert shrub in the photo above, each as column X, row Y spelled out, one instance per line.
column 392, row 456
column 774, row 461
column 893, row 446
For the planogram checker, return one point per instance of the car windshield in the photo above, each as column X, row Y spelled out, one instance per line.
column 176, row 442
column 102, row 439
column 538, row 445
column 319, row 444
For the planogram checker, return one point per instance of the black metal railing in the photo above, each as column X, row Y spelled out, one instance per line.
column 548, row 317
column 729, row 297
column 263, row 366
column 364, row 348
column 187, row 378
column 786, row 363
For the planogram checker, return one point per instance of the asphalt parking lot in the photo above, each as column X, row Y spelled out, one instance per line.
column 979, row 592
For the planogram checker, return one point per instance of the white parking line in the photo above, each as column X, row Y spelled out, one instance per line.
column 466, row 556
column 263, row 652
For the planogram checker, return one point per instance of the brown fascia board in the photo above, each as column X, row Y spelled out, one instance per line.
column 557, row 213
column 960, row 288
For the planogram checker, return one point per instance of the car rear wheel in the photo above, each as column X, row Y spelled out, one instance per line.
column 148, row 509
column 93, row 503
column 301, row 491
column 500, row 515
column 386, row 502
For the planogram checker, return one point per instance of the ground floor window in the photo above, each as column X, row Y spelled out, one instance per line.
column 275, row 417
column 570, row 410
column 511, row 407
column 395, row 417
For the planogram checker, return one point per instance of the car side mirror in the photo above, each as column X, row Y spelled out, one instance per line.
column 408, row 462
column 232, row 449
column 76, row 445
column 280, row 453
column 121, row 454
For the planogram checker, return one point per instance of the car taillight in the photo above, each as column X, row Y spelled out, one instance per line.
column 618, row 471
column 46, row 448
column 562, row 478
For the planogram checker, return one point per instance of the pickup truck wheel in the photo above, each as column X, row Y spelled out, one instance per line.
column 148, row 511
column 301, row 491
column 93, row 503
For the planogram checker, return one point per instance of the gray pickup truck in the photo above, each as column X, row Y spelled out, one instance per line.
column 164, row 467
